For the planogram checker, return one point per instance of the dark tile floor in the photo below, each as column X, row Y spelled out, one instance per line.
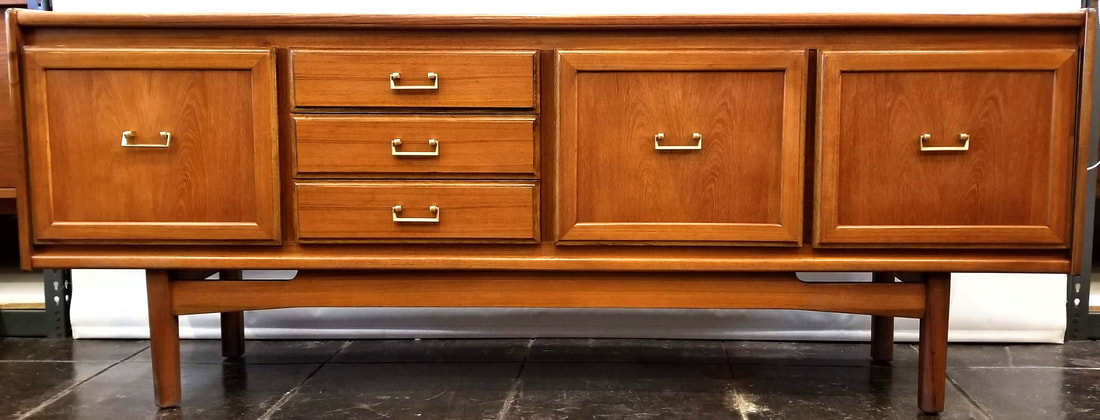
column 543, row 379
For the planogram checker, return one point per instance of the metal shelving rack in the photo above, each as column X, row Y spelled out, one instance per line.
column 1080, row 324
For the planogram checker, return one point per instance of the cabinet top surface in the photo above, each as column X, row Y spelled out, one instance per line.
column 808, row 20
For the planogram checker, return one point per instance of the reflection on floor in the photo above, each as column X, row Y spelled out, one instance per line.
column 544, row 379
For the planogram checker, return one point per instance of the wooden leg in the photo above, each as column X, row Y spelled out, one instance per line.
column 932, row 379
column 232, row 324
column 882, row 328
column 164, row 339
column 232, row 334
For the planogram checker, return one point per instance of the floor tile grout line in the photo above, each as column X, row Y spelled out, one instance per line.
column 131, row 356
column 297, row 387
column 969, row 398
column 65, row 392
column 730, row 387
column 517, row 383
column 1026, row 367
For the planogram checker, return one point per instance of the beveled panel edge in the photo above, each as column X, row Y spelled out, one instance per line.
column 430, row 257
column 1085, row 130
column 826, row 230
column 1074, row 18
column 15, row 95
column 793, row 63
column 530, row 118
column 260, row 63
column 533, row 184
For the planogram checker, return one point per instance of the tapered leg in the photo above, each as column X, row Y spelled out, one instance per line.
column 232, row 334
column 164, row 339
column 932, row 379
column 882, row 328
column 232, row 324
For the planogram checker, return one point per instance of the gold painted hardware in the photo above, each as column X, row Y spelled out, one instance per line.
column 694, row 136
column 395, row 76
column 128, row 136
column 398, row 219
column 431, row 142
column 965, row 138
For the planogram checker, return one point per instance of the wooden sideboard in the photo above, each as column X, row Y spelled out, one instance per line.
column 630, row 162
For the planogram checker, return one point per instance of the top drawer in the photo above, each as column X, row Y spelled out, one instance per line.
column 456, row 79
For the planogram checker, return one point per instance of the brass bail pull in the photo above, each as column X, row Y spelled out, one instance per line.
column 128, row 137
column 698, row 138
column 432, row 76
column 963, row 137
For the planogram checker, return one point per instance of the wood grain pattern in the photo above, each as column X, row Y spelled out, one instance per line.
column 9, row 140
column 7, row 192
column 932, row 373
column 1012, row 188
column 469, row 79
column 232, row 323
column 164, row 339
column 14, row 39
column 741, row 81
column 1084, row 118
column 821, row 20
column 467, row 210
column 551, row 290
column 961, row 34
column 217, row 180
column 744, row 185
column 546, row 256
column 467, row 144
column 882, row 327
column 527, row 39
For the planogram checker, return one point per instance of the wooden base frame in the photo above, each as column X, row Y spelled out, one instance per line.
column 924, row 296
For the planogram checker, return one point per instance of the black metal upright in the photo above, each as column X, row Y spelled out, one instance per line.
column 1081, row 325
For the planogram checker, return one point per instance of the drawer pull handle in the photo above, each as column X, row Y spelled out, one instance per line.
column 128, row 136
column 694, row 136
column 431, row 142
column 395, row 76
column 965, row 138
column 398, row 219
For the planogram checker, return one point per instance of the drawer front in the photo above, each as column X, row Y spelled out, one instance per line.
column 418, row 211
column 459, row 79
column 682, row 147
column 946, row 149
column 152, row 145
column 427, row 144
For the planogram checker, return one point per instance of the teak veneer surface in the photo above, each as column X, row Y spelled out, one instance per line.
column 466, row 210
column 9, row 136
column 553, row 290
column 465, row 78
column 550, row 189
column 350, row 145
column 1012, row 187
column 742, row 185
column 1072, row 19
column 541, row 37
column 215, row 180
column 546, row 256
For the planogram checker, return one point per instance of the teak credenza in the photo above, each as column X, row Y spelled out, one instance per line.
column 614, row 161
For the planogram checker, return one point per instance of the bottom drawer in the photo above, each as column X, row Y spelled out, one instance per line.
column 394, row 211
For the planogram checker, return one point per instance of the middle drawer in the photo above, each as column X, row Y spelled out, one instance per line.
column 415, row 144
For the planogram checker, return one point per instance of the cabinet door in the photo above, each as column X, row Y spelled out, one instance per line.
column 678, row 147
column 946, row 149
column 152, row 145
